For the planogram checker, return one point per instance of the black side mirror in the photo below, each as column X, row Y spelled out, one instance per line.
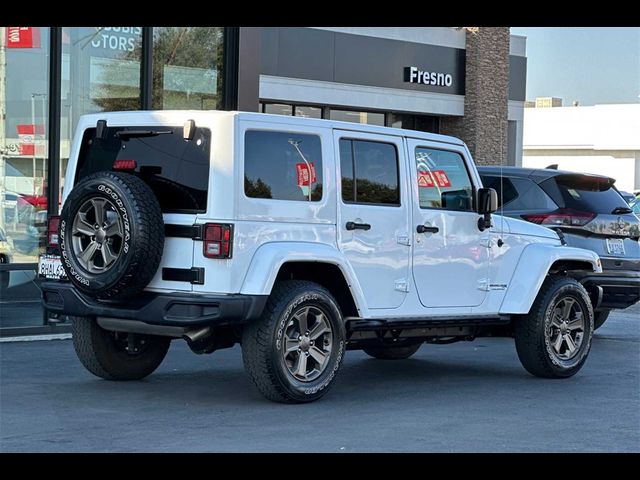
column 487, row 204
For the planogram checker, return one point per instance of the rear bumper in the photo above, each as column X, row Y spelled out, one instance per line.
column 619, row 289
column 167, row 309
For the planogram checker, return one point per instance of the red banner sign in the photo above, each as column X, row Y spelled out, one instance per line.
column 425, row 180
column 29, row 135
column 23, row 37
column 303, row 174
column 441, row 178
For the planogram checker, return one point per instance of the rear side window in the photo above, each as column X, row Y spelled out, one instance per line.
column 282, row 166
column 505, row 189
column 177, row 170
column 579, row 192
column 369, row 172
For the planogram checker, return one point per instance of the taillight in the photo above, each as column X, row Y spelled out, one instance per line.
column 52, row 230
column 564, row 217
column 218, row 240
column 125, row 165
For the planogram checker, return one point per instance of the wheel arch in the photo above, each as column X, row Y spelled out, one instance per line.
column 314, row 262
column 537, row 261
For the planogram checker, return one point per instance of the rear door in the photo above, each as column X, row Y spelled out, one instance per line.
column 373, row 215
column 176, row 170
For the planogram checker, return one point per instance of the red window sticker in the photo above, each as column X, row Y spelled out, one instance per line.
column 441, row 178
column 425, row 180
column 303, row 174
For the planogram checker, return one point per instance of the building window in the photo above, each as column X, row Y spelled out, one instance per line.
column 24, row 101
column 307, row 111
column 369, row 172
column 369, row 118
column 282, row 166
column 443, row 180
column 422, row 123
column 187, row 68
column 277, row 108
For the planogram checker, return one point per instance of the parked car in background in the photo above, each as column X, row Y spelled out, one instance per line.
column 588, row 212
column 635, row 207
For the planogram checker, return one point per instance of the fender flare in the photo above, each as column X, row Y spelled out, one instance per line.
column 269, row 257
column 532, row 268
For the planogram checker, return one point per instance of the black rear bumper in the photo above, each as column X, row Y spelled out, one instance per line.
column 619, row 289
column 171, row 309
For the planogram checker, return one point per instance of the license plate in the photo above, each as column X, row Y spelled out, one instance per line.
column 615, row 246
column 50, row 266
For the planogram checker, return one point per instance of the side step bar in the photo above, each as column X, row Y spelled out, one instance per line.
column 362, row 324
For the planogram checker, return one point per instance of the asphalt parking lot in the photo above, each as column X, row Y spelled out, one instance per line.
column 457, row 398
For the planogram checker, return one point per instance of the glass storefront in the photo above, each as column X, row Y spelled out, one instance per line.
column 101, row 70
column 24, row 88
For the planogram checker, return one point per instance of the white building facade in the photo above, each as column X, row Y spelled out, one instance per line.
column 600, row 139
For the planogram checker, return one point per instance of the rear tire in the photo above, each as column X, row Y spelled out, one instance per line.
column 600, row 318
column 300, row 325
column 392, row 352
column 105, row 353
column 553, row 340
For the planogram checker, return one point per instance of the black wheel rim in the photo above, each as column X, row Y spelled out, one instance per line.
column 97, row 233
column 308, row 342
column 566, row 330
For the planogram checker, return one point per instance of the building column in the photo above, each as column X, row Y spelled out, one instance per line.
column 484, row 126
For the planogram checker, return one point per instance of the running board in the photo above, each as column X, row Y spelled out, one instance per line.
column 363, row 324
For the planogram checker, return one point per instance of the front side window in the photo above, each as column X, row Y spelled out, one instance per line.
column 443, row 180
column 369, row 172
column 282, row 166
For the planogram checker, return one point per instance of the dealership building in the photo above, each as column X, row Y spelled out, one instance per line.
column 469, row 83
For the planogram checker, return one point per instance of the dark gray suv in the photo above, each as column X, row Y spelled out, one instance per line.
column 587, row 212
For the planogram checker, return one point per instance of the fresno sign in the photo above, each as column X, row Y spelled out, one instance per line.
column 415, row 75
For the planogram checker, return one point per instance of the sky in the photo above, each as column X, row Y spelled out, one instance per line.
column 592, row 65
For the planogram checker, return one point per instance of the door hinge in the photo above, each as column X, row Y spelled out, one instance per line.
column 403, row 239
column 483, row 284
column 402, row 285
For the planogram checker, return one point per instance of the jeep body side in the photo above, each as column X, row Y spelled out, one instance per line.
column 412, row 262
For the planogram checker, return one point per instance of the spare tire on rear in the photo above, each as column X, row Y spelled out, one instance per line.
column 111, row 235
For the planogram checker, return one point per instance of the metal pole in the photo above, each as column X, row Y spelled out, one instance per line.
column 33, row 125
column 55, row 80
column 146, row 69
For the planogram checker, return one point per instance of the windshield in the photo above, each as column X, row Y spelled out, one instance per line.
column 177, row 170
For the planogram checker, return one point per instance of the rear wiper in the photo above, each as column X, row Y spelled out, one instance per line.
column 141, row 133
column 619, row 210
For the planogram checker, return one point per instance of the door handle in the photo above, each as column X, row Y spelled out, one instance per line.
column 425, row 229
column 357, row 226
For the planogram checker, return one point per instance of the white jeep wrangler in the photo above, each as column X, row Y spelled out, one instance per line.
column 299, row 239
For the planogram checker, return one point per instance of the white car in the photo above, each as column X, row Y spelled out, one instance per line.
column 300, row 239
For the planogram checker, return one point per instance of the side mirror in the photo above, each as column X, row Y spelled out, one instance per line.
column 487, row 204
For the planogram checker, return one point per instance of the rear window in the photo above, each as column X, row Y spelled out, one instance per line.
column 591, row 194
column 177, row 170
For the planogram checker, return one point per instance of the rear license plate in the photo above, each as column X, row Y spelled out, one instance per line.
column 615, row 246
column 50, row 266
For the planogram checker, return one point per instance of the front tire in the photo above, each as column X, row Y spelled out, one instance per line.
column 113, row 355
column 392, row 352
column 293, row 352
column 553, row 340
